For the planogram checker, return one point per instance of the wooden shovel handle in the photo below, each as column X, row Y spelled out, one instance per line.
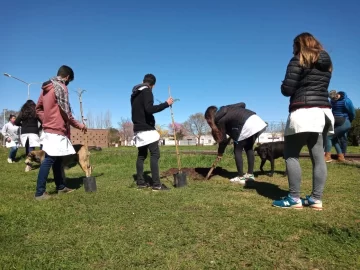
column 212, row 168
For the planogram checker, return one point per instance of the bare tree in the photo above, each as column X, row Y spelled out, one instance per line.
column 197, row 126
column 107, row 120
column 126, row 130
column 99, row 122
column 275, row 129
column 90, row 120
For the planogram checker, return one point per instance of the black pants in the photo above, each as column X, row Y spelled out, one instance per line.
column 154, row 164
column 247, row 145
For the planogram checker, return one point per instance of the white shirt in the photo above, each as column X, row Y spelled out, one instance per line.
column 309, row 120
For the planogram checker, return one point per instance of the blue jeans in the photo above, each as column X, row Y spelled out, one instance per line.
column 12, row 153
column 58, row 171
column 340, row 133
column 343, row 143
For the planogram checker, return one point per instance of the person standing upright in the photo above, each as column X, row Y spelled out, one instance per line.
column 11, row 133
column 145, row 135
column 53, row 109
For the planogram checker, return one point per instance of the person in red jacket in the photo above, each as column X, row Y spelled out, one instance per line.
column 53, row 110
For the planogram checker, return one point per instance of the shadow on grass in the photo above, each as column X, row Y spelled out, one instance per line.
column 355, row 164
column 147, row 178
column 268, row 173
column 268, row 190
column 75, row 182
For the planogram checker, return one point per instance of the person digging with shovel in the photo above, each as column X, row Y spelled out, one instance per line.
column 145, row 135
column 53, row 109
column 243, row 127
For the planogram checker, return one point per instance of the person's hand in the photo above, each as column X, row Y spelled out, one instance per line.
column 170, row 101
column 83, row 128
column 8, row 139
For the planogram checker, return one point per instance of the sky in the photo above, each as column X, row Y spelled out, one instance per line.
column 208, row 52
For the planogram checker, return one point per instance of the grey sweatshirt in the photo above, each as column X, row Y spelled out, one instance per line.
column 11, row 131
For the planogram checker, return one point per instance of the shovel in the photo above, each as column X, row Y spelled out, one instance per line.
column 180, row 177
column 213, row 166
column 89, row 181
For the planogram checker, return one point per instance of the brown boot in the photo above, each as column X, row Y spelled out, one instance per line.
column 341, row 158
column 328, row 157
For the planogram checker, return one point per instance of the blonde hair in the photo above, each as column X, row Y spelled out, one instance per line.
column 308, row 48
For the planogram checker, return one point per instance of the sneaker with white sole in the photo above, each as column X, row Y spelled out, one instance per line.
column 9, row 160
column 65, row 190
column 288, row 202
column 244, row 180
column 44, row 196
column 312, row 203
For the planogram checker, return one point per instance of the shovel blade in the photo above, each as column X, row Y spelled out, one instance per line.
column 180, row 180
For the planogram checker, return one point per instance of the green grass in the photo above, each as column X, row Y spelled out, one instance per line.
column 206, row 225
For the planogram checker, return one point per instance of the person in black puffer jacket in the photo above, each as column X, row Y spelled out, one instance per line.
column 29, row 124
column 310, row 120
column 243, row 127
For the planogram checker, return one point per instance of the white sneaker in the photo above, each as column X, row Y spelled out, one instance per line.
column 9, row 160
column 238, row 180
column 250, row 177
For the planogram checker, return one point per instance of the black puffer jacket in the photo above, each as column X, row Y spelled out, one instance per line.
column 307, row 87
column 230, row 120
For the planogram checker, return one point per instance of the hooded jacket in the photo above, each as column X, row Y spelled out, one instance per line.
column 343, row 107
column 143, row 108
column 53, row 119
column 11, row 131
column 307, row 87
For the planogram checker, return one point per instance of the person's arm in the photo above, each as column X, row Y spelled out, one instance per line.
column 40, row 108
column 5, row 134
column 292, row 77
column 350, row 109
column 149, row 103
column 222, row 146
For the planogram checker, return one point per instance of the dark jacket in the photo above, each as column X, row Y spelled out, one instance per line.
column 143, row 108
column 307, row 87
column 230, row 120
column 28, row 125
column 342, row 109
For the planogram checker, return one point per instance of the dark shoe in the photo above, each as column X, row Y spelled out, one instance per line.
column 45, row 196
column 65, row 190
column 143, row 186
column 160, row 188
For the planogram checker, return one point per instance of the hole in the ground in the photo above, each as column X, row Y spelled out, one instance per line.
column 193, row 173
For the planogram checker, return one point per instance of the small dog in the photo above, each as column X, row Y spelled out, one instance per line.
column 68, row 161
column 270, row 151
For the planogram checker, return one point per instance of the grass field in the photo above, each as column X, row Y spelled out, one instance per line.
column 206, row 225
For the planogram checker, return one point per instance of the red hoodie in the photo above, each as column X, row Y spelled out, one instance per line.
column 53, row 118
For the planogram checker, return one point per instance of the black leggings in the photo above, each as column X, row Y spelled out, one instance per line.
column 247, row 145
column 154, row 163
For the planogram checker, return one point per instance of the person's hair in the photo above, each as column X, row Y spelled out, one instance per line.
column 210, row 119
column 332, row 94
column 308, row 48
column 149, row 79
column 65, row 71
column 11, row 116
column 28, row 110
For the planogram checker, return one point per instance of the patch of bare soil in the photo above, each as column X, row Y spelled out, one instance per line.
column 192, row 173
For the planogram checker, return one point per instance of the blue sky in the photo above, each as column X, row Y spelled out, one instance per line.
column 209, row 52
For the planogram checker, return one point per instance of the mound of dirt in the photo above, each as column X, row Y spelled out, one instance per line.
column 192, row 173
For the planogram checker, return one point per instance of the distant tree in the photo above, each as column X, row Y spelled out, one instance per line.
column 126, row 130
column 90, row 123
column 196, row 125
column 354, row 133
column 179, row 131
column 107, row 120
column 162, row 131
column 276, row 129
column 114, row 135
